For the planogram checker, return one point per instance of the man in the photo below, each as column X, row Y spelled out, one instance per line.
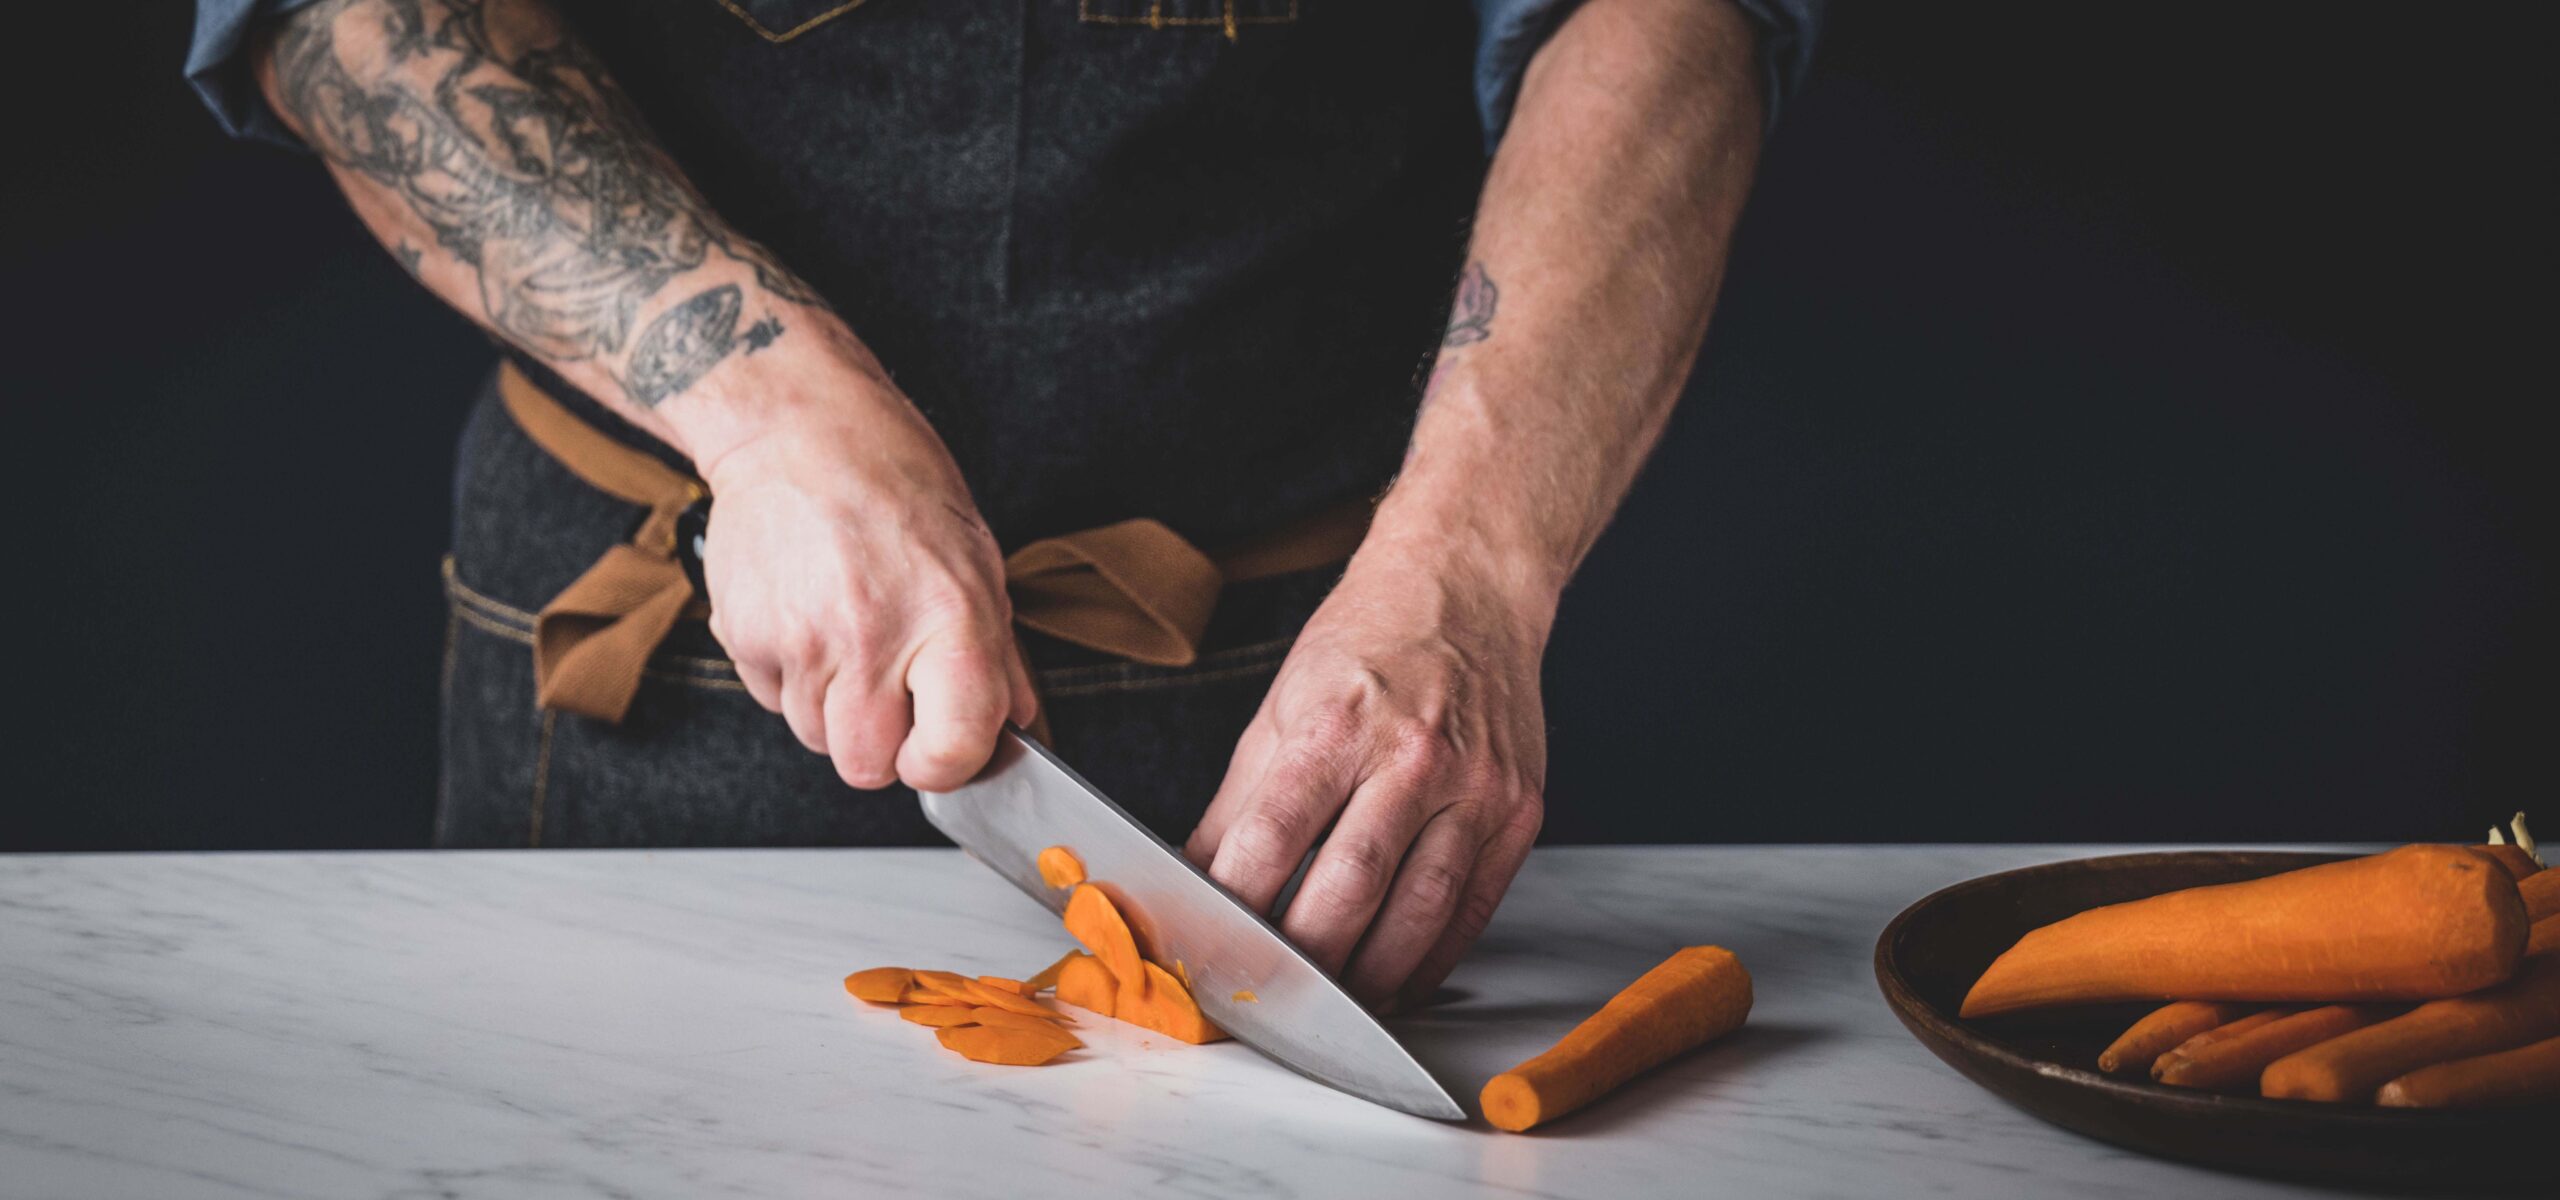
column 1134, row 289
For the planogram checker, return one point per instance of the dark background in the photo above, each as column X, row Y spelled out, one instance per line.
column 2115, row 429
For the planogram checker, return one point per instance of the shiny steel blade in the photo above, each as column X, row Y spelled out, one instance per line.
column 1026, row 800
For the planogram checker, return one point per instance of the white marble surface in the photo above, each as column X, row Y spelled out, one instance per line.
column 588, row 1024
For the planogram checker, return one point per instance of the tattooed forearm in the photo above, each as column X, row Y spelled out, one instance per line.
column 506, row 138
column 1471, row 315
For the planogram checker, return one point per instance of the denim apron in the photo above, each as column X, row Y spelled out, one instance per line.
column 1179, row 259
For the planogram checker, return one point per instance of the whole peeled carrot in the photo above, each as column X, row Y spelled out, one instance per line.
column 2350, row 1067
column 2160, row 1032
column 2415, row 923
column 2524, row 1075
column 2545, row 937
column 2234, row 1061
column 1696, row 995
column 2541, row 893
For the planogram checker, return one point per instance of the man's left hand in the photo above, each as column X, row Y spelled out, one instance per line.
column 1408, row 719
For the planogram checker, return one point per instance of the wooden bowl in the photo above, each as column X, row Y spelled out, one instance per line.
column 2046, row 1063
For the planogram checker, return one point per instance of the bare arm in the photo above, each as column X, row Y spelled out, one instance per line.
column 852, row 580
column 1409, row 712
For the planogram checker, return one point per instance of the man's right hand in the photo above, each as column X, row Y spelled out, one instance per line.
column 860, row 594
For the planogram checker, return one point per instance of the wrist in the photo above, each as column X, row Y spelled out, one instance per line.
column 1422, row 537
column 819, row 391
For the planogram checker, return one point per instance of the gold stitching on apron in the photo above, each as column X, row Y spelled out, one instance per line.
column 794, row 31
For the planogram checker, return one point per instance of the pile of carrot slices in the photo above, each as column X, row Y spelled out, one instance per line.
column 2427, row 977
column 991, row 1019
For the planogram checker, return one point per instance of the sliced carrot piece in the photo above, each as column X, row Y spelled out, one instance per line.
column 926, row 995
column 1167, row 1007
column 1006, row 1046
column 1002, row 984
column 1010, row 1019
column 1245, row 998
column 879, row 985
column 946, row 982
column 1096, row 921
column 1000, row 998
column 1087, row 984
column 1059, row 867
column 939, row 1015
column 1047, row 977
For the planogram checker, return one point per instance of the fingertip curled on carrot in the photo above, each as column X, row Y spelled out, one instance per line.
column 1697, row 995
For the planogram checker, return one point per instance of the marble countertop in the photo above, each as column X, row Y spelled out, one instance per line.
column 608, row 1024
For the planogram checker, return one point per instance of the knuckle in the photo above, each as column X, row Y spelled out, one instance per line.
column 1356, row 871
column 1474, row 913
column 1436, row 885
column 1264, row 840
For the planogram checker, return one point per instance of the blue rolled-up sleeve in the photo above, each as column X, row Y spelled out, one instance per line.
column 218, row 66
column 1509, row 33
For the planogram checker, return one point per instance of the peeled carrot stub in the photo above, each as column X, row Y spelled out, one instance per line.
column 879, row 985
column 1002, row 984
column 1087, row 984
column 2416, row 923
column 1009, row 1019
column 1000, row 998
column 1696, row 995
column 1096, row 922
column 1006, row 1046
column 1046, row 977
column 1059, row 867
column 1167, row 1007
column 938, row 1015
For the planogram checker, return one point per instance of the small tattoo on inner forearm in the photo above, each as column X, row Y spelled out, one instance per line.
column 1471, row 315
column 761, row 334
column 683, row 344
column 409, row 257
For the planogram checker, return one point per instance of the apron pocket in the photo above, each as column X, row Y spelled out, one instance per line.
column 779, row 21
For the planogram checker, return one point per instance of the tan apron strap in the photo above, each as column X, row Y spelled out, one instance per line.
column 592, row 641
column 1135, row 589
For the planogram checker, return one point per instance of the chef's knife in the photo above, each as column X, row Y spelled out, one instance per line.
column 1026, row 800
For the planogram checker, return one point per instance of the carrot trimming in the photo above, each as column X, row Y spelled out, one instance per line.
column 1059, row 867
column 2525, row 1075
column 1006, row 1045
column 1046, row 977
column 2350, row 1067
column 2415, row 923
column 2161, row 1031
column 1696, row 995
column 2235, row 1061
column 879, row 985
column 938, row 1015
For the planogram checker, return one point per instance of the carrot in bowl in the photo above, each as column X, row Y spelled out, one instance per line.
column 2235, row 1061
column 2349, row 1068
column 2524, row 1075
column 2416, row 923
column 2162, row 1030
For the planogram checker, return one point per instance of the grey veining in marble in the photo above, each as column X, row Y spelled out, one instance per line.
column 593, row 1024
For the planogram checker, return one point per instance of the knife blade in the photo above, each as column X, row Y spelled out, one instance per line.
column 1027, row 800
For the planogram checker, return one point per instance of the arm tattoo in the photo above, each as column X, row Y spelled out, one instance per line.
column 1471, row 316
column 534, row 170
